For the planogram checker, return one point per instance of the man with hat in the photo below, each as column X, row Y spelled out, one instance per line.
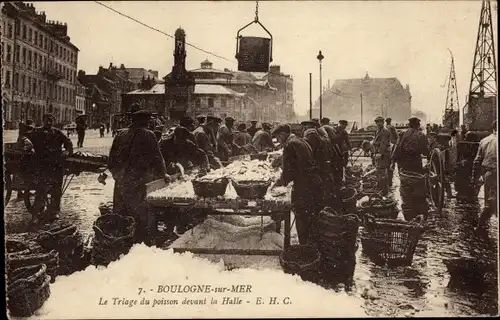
column 344, row 142
column 262, row 140
column 316, row 122
column 135, row 160
column 213, row 123
column 47, row 143
column 394, row 139
column 485, row 164
column 26, row 160
column 323, row 155
column 242, row 137
column 300, row 168
column 225, row 145
column 253, row 128
column 411, row 145
column 188, row 123
column 200, row 120
column 329, row 132
column 381, row 150
column 204, row 139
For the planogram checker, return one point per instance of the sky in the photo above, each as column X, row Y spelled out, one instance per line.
column 404, row 39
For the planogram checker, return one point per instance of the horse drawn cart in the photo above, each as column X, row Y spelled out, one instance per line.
column 22, row 174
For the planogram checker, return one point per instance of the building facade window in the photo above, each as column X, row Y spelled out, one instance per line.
column 17, row 25
column 7, row 79
column 23, row 80
column 24, row 55
column 30, row 35
column 210, row 102
column 29, row 58
column 16, row 81
column 223, row 103
column 24, row 32
column 35, row 38
column 9, row 54
column 198, row 103
column 18, row 53
column 9, row 30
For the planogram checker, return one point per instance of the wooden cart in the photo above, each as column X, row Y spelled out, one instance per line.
column 24, row 178
column 278, row 209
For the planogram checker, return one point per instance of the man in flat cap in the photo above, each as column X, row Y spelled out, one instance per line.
column 47, row 143
column 382, row 153
column 345, row 142
column 328, row 131
column 204, row 139
column 135, row 160
column 262, row 140
column 485, row 164
column 322, row 154
column 299, row 166
column 225, row 145
column 411, row 145
column 253, row 128
column 200, row 119
column 242, row 137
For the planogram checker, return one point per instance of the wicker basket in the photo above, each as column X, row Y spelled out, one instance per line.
column 112, row 228
column 24, row 303
column 348, row 198
column 210, row 189
column 251, row 189
column 259, row 156
column 303, row 260
column 390, row 241
column 27, row 290
column 386, row 211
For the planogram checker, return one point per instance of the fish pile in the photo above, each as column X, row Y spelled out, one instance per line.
column 254, row 170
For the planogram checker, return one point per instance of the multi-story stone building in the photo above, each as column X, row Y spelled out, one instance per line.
column 80, row 98
column 39, row 65
column 137, row 75
column 367, row 98
column 284, row 84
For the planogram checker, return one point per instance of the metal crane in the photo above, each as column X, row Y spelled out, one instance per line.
column 451, row 117
column 480, row 110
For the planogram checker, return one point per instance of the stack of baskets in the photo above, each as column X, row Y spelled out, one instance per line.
column 25, row 256
column 390, row 241
column 210, row 188
column 380, row 207
column 303, row 260
column 251, row 189
column 27, row 289
column 353, row 177
column 348, row 199
column 68, row 242
column 114, row 236
column 335, row 236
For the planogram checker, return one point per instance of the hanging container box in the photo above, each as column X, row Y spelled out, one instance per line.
column 254, row 54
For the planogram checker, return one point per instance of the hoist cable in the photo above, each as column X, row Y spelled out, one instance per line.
column 162, row 32
column 256, row 11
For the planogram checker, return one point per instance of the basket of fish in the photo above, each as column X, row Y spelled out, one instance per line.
column 380, row 207
column 207, row 187
column 251, row 189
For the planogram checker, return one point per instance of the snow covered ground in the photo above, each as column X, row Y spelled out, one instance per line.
column 128, row 288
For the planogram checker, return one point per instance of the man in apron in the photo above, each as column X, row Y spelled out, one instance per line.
column 300, row 168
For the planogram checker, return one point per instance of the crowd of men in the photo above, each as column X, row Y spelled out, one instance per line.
column 314, row 160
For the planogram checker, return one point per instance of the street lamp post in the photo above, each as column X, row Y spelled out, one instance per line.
column 320, row 58
column 93, row 113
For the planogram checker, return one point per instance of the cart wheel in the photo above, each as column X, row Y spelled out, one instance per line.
column 8, row 187
column 437, row 183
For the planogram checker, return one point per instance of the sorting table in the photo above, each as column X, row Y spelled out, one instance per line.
column 278, row 208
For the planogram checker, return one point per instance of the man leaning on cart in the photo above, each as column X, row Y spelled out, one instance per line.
column 49, row 158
